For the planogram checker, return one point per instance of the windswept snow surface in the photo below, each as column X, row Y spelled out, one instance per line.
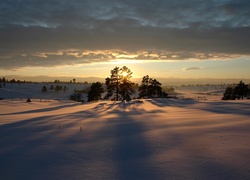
column 148, row 139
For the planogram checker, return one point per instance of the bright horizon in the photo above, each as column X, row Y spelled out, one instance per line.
column 161, row 39
column 233, row 69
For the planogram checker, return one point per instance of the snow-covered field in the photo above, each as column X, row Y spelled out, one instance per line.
column 147, row 139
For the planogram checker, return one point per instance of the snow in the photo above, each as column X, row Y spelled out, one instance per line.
column 34, row 90
column 142, row 139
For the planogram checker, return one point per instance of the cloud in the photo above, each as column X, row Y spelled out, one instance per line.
column 192, row 68
column 62, row 32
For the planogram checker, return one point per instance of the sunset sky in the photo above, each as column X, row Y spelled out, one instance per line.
column 161, row 38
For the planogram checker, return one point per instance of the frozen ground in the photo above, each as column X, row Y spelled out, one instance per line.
column 148, row 139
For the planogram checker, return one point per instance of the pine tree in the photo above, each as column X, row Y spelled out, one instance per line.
column 229, row 94
column 241, row 90
column 109, row 88
column 119, row 83
column 95, row 92
column 51, row 87
column 143, row 88
column 150, row 88
column 154, row 88
column 126, row 86
column 238, row 92
column 44, row 89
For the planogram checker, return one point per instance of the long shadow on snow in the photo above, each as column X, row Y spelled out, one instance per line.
column 227, row 107
column 240, row 108
column 36, row 149
column 45, row 109
column 131, row 152
column 33, row 148
column 24, row 152
column 35, row 158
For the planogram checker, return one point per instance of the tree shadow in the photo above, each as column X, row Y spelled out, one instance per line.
column 216, row 170
column 225, row 107
column 131, row 152
column 120, row 149
column 21, row 141
column 59, row 107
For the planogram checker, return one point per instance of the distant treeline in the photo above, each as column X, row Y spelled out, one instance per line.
column 56, row 81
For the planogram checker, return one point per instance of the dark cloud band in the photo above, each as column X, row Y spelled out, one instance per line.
column 41, row 33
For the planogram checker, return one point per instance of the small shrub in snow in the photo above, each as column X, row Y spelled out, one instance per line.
column 76, row 97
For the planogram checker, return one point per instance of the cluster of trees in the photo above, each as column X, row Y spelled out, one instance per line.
column 57, row 88
column 73, row 81
column 119, row 87
column 239, row 91
column 150, row 88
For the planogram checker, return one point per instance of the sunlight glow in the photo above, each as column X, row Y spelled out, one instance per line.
column 124, row 74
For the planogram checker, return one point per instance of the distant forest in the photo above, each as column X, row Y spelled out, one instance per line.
column 119, row 87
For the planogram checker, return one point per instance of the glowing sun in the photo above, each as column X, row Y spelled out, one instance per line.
column 124, row 74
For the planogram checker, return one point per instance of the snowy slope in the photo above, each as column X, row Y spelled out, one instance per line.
column 34, row 91
column 149, row 139
column 17, row 91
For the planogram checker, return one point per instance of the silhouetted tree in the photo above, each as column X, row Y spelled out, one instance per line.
column 109, row 88
column 154, row 88
column 95, row 91
column 119, row 83
column 44, row 89
column 56, row 81
column 241, row 90
column 248, row 92
column 238, row 92
column 143, row 88
column 229, row 94
column 58, row 88
column 13, row 81
column 126, row 86
column 150, row 88
column 115, row 81
column 51, row 87
column 3, row 80
column 126, row 90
